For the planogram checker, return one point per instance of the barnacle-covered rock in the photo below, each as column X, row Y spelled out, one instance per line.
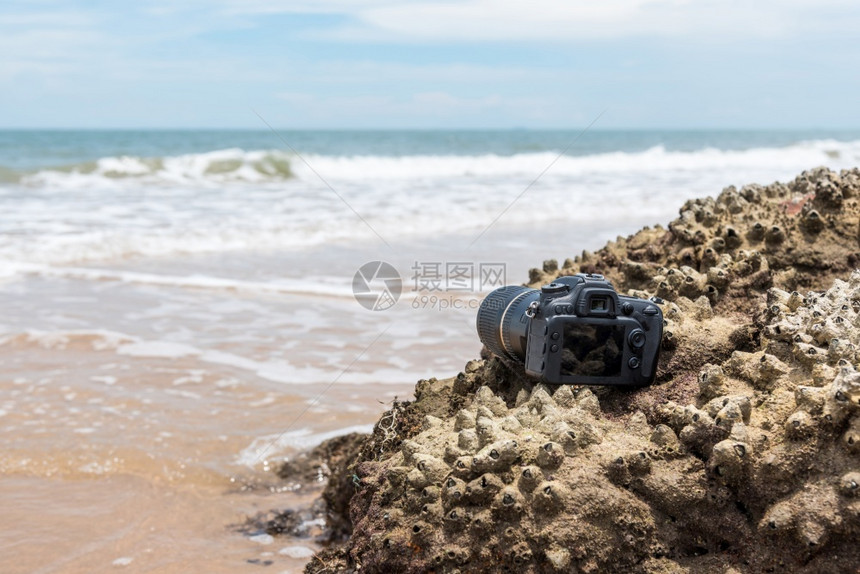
column 741, row 458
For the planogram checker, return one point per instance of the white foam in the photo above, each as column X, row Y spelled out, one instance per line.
column 162, row 349
column 263, row 539
column 326, row 287
column 232, row 200
column 237, row 165
column 208, row 168
column 99, row 339
column 267, row 447
column 183, row 394
column 297, row 551
column 275, row 370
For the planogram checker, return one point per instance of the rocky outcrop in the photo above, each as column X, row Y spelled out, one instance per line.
column 744, row 456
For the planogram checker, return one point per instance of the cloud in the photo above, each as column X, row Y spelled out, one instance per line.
column 48, row 43
column 559, row 20
column 423, row 62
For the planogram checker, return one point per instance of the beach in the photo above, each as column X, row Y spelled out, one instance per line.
column 179, row 314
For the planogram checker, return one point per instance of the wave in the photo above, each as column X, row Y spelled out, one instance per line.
column 228, row 201
column 237, row 166
column 272, row 446
column 657, row 159
column 320, row 286
column 274, row 370
column 214, row 167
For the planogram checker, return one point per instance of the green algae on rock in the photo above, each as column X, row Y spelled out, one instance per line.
column 744, row 456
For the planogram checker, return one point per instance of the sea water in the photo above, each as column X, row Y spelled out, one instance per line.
column 178, row 310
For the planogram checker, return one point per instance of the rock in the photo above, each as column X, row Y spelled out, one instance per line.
column 742, row 457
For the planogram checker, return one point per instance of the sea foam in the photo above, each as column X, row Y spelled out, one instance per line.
column 124, row 207
column 255, row 166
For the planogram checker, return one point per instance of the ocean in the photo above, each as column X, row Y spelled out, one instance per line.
column 179, row 309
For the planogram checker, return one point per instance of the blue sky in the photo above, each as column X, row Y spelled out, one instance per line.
column 430, row 64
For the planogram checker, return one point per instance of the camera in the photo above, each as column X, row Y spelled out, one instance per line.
column 576, row 330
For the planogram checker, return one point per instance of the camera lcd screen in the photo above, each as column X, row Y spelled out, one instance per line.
column 592, row 350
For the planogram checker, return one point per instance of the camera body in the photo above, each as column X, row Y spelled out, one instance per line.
column 576, row 330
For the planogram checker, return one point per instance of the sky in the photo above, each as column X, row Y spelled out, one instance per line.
column 342, row 64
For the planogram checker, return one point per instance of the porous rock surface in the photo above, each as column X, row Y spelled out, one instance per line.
column 744, row 456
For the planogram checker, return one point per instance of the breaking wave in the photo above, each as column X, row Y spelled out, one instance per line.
column 233, row 200
column 215, row 167
column 261, row 166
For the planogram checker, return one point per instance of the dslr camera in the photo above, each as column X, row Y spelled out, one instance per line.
column 576, row 330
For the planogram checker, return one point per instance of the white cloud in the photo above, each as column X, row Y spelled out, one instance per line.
column 47, row 43
column 155, row 57
column 560, row 20
column 555, row 20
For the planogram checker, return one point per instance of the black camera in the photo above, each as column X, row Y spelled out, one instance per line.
column 576, row 330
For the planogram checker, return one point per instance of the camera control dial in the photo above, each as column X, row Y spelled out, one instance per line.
column 636, row 338
column 554, row 289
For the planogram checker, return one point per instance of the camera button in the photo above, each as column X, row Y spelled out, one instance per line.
column 650, row 310
column 555, row 336
column 636, row 338
column 627, row 308
column 633, row 363
column 554, row 348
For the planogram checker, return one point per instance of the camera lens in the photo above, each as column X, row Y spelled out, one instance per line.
column 501, row 324
column 636, row 338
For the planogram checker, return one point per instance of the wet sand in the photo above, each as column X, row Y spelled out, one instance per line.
column 130, row 523
column 133, row 418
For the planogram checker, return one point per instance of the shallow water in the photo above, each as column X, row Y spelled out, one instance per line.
column 138, row 397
